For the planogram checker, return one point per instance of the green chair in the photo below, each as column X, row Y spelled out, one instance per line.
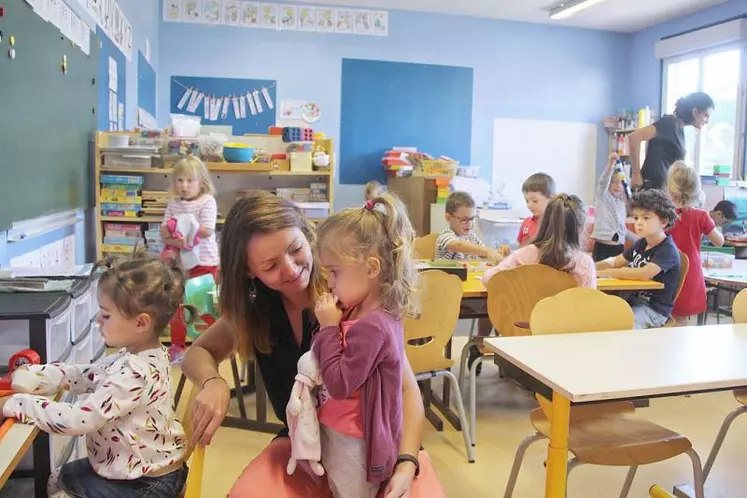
column 198, row 292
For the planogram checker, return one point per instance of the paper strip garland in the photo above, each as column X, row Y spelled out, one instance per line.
column 220, row 107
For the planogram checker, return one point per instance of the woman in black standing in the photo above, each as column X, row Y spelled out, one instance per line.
column 666, row 140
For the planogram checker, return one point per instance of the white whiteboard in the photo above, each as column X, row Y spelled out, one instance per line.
column 565, row 151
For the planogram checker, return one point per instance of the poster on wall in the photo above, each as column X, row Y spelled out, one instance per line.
column 192, row 11
column 250, row 14
column 269, row 17
column 325, row 20
column 306, row 18
column 211, row 11
column 380, row 23
column 232, row 13
column 361, row 22
column 172, row 10
column 288, row 17
column 343, row 21
column 246, row 14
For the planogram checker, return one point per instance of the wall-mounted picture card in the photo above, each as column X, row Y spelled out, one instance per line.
column 172, row 10
column 325, row 19
column 288, row 17
column 192, row 11
column 269, row 16
column 361, row 22
column 343, row 21
column 231, row 12
column 211, row 11
column 380, row 23
column 250, row 14
column 307, row 18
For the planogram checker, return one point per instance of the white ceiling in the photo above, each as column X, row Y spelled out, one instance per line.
column 611, row 15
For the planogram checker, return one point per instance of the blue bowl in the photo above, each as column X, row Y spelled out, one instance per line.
column 238, row 154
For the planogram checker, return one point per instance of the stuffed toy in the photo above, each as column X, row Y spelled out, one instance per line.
column 303, row 424
column 184, row 227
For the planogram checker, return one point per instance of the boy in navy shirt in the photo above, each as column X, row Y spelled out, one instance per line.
column 653, row 257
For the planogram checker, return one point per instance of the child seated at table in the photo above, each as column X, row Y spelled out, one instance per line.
column 538, row 189
column 610, row 204
column 724, row 213
column 653, row 257
column 557, row 244
column 459, row 242
column 135, row 443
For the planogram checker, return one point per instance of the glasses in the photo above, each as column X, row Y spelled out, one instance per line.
column 465, row 221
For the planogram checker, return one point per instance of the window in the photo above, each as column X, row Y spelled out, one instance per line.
column 717, row 72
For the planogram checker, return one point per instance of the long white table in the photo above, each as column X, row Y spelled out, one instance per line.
column 585, row 368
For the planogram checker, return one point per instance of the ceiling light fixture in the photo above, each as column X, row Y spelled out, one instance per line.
column 571, row 7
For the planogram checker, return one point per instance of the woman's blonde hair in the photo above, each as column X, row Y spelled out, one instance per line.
column 194, row 168
column 560, row 232
column 683, row 183
column 259, row 212
column 384, row 233
column 143, row 284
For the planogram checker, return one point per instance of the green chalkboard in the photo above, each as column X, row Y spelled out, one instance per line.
column 46, row 118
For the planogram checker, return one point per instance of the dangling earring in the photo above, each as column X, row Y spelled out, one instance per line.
column 252, row 291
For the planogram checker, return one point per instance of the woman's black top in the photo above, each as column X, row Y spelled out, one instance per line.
column 278, row 369
column 664, row 150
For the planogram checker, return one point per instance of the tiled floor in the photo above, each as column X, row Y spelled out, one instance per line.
column 503, row 422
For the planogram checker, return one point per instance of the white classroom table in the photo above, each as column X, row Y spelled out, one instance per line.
column 13, row 446
column 637, row 364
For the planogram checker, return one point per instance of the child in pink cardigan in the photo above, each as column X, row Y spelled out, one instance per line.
column 367, row 255
column 557, row 244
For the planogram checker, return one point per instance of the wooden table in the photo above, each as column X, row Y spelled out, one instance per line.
column 13, row 446
column 668, row 362
column 473, row 288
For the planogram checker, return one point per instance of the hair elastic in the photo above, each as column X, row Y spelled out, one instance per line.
column 369, row 205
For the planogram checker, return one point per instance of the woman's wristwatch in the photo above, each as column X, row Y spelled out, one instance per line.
column 409, row 458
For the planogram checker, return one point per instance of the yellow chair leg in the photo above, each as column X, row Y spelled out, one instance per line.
column 657, row 492
column 557, row 450
column 193, row 487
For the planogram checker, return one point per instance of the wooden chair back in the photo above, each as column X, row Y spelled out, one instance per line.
column 580, row 310
column 739, row 307
column 439, row 300
column 684, row 267
column 425, row 247
column 512, row 295
column 195, row 456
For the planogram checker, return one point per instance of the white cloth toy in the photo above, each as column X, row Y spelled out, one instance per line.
column 303, row 423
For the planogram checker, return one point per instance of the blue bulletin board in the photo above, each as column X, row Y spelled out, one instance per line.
column 386, row 104
column 228, row 87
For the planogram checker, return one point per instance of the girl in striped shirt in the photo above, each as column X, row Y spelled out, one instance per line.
column 194, row 194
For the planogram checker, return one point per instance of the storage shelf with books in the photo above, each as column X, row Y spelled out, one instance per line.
column 133, row 178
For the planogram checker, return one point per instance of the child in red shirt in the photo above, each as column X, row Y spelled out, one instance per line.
column 367, row 254
column 683, row 184
column 538, row 189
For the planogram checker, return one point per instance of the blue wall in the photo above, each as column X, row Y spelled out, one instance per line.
column 144, row 15
column 645, row 69
column 520, row 70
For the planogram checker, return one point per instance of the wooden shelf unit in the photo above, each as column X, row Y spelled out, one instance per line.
column 276, row 178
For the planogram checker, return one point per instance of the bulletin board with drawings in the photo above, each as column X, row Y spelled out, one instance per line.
column 247, row 105
column 47, row 117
